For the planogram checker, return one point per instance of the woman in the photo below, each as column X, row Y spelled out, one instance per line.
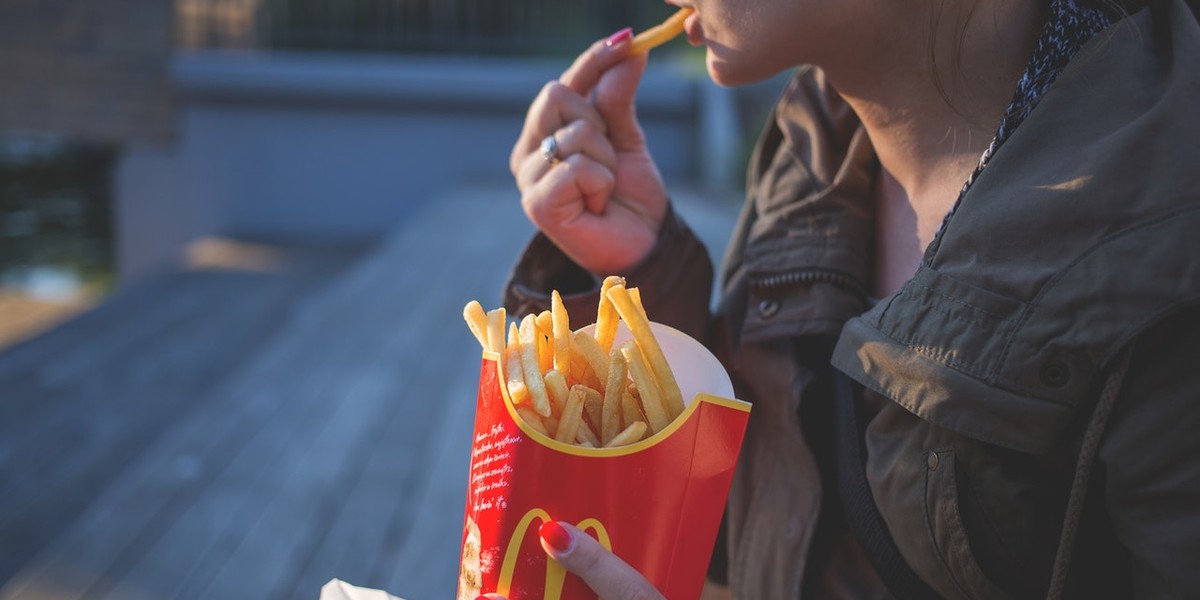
column 963, row 293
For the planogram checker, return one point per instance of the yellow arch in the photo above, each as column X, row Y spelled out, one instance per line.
column 555, row 574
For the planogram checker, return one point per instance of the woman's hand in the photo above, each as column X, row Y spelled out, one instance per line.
column 600, row 198
column 607, row 575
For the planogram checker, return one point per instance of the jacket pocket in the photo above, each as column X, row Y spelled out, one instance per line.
column 947, row 533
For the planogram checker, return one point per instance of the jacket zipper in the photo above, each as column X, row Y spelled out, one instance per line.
column 809, row 277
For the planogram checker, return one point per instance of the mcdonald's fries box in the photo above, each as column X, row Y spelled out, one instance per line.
column 656, row 503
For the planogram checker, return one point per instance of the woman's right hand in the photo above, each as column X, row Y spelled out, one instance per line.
column 601, row 199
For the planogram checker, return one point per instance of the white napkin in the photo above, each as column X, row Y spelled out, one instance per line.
column 337, row 589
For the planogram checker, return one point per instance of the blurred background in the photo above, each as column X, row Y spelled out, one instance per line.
column 235, row 240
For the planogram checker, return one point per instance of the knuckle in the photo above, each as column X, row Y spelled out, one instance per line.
column 555, row 92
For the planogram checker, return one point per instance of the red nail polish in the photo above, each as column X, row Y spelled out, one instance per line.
column 619, row 36
column 555, row 535
column 483, row 598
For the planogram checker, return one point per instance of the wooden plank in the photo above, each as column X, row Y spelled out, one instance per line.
column 136, row 409
column 266, row 487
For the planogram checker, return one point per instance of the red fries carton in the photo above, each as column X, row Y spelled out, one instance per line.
column 656, row 503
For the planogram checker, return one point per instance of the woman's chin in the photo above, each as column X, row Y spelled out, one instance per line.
column 729, row 74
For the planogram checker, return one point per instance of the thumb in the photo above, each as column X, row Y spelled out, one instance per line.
column 610, row 577
column 614, row 98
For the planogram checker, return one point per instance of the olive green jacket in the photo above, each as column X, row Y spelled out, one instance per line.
column 1080, row 239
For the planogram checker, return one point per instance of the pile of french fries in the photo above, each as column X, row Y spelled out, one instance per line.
column 578, row 388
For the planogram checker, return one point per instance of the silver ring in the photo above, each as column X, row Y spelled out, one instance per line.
column 549, row 149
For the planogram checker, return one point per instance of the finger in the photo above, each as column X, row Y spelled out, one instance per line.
column 614, row 97
column 571, row 187
column 581, row 136
column 578, row 137
column 607, row 575
column 585, row 72
column 555, row 106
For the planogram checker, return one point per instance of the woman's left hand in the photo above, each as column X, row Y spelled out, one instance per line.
column 607, row 575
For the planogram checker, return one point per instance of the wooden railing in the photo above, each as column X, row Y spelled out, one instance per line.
column 466, row 27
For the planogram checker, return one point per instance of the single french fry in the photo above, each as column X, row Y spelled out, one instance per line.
column 477, row 322
column 557, row 389
column 656, row 414
column 495, row 330
column 515, row 375
column 585, row 437
column 531, row 367
column 551, row 424
column 532, row 419
column 545, row 352
column 545, row 323
column 606, row 314
column 562, row 333
column 593, row 407
column 629, row 435
column 662, row 33
column 635, row 294
column 610, row 414
column 587, row 347
column 572, row 417
column 635, row 318
column 631, row 411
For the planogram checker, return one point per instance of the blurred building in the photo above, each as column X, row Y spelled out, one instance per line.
column 317, row 119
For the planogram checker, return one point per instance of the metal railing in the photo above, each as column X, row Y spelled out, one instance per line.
column 464, row 27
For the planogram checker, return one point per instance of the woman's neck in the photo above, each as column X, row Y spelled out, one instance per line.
column 931, row 111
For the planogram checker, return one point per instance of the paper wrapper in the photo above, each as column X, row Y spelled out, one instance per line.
column 657, row 503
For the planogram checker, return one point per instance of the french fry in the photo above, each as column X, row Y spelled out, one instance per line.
column 477, row 322
column 517, row 391
column 572, row 417
column 532, row 419
column 606, row 314
column 656, row 414
column 662, row 33
column 587, row 347
column 629, row 435
column 551, row 424
column 495, row 330
column 631, row 412
column 593, row 407
column 556, row 388
column 545, row 327
column 635, row 318
column 545, row 323
column 545, row 352
column 636, row 295
column 584, row 436
column 610, row 414
column 532, row 368
column 562, row 334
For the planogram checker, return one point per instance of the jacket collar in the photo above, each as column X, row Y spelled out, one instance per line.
column 1078, row 235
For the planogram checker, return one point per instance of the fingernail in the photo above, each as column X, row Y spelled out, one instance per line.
column 483, row 598
column 619, row 36
column 555, row 535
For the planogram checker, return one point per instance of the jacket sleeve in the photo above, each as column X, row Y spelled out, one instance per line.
column 675, row 280
column 1151, row 455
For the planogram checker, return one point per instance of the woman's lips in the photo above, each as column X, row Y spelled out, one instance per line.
column 695, row 33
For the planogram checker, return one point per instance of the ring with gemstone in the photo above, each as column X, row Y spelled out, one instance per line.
column 549, row 149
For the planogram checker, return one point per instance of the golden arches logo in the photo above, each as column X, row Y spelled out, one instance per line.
column 555, row 574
